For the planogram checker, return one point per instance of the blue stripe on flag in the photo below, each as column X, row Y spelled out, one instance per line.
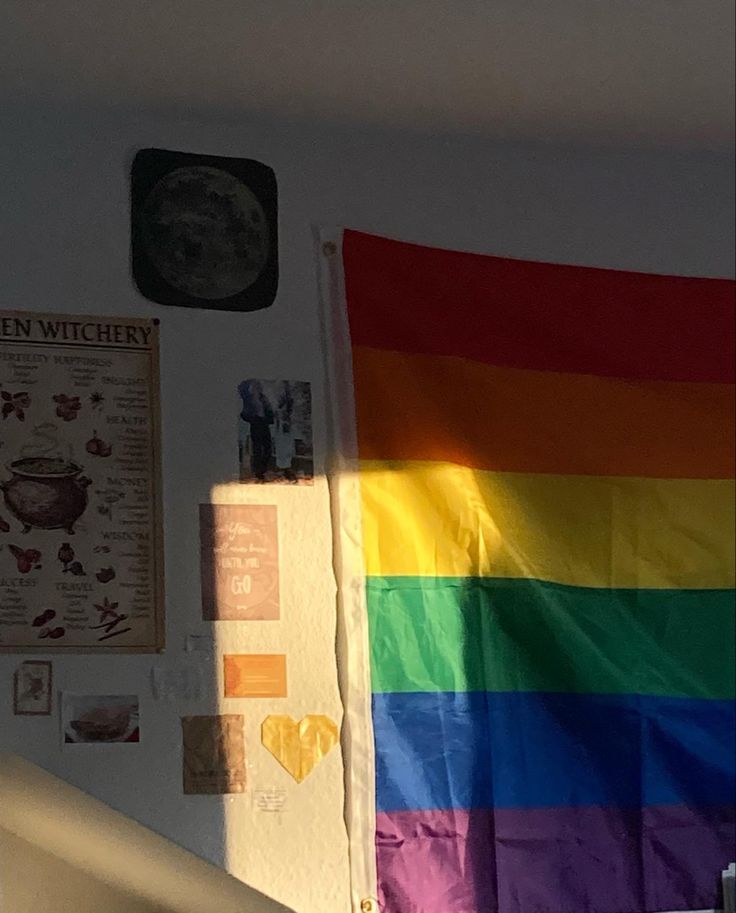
column 528, row 749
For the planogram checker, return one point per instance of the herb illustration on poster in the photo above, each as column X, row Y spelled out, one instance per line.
column 239, row 562
column 80, row 516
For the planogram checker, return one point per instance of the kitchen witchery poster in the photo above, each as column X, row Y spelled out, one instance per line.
column 80, row 515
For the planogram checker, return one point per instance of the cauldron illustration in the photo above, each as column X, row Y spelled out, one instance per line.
column 46, row 493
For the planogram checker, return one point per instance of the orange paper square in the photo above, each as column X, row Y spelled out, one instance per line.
column 255, row 675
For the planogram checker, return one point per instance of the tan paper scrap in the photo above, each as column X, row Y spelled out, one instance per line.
column 213, row 754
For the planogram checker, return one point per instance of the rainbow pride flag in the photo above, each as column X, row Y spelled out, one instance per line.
column 546, row 465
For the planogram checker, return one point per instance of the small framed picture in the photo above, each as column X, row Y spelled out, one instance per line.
column 33, row 689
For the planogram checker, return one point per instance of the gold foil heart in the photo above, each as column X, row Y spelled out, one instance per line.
column 299, row 747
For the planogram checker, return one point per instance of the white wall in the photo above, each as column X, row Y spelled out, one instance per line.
column 64, row 242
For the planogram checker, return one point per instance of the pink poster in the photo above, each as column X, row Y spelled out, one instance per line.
column 239, row 562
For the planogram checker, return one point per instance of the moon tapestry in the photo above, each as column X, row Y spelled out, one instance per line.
column 204, row 230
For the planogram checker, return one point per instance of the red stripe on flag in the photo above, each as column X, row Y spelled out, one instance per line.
column 538, row 315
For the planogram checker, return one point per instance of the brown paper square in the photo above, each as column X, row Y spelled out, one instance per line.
column 213, row 754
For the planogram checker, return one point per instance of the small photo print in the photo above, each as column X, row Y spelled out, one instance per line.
column 32, row 689
column 275, row 432
column 99, row 718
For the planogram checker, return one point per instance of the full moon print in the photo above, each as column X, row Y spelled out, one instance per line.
column 204, row 230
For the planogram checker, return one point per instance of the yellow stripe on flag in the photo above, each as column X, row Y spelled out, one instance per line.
column 441, row 519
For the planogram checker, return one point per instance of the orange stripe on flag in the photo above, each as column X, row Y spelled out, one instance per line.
column 449, row 409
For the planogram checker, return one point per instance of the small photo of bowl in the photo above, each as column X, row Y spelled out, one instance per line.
column 100, row 719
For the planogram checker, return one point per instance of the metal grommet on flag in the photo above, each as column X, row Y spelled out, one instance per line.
column 368, row 905
column 329, row 248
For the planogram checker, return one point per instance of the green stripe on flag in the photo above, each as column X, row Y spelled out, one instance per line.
column 494, row 634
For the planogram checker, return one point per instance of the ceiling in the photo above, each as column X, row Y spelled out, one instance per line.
column 625, row 72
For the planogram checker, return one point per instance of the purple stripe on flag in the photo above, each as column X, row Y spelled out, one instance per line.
column 553, row 860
